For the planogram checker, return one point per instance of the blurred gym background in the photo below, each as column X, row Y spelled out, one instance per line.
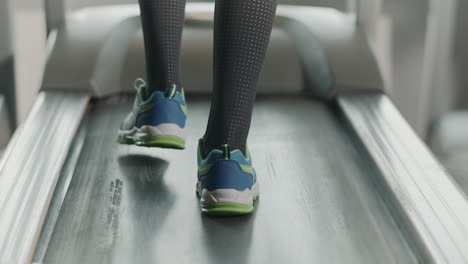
column 421, row 47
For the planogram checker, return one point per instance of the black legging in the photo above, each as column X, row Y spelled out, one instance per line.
column 241, row 34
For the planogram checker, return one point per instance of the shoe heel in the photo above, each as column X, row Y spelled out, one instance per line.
column 227, row 190
column 162, row 136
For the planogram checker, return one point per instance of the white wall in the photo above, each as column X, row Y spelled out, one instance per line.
column 408, row 20
column 30, row 45
column 28, row 36
column 440, row 71
column 5, row 40
column 460, row 53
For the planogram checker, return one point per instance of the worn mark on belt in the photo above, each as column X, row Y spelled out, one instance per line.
column 113, row 210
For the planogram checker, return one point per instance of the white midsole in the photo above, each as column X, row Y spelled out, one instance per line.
column 228, row 195
column 147, row 132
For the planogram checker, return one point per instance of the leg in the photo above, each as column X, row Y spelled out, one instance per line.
column 242, row 32
column 227, row 182
column 158, row 116
column 162, row 22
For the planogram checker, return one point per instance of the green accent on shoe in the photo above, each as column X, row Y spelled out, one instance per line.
column 173, row 91
column 184, row 109
column 202, row 156
column 183, row 106
column 127, row 141
column 205, row 169
column 227, row 151
column 162, row 142
column 247, row 168
column 256, row 196
column 142, row 95
column 144, row 108
column 227, row 209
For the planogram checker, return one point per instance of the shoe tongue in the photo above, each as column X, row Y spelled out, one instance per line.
column 226, row 149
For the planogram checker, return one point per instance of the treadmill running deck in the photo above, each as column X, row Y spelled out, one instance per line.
column 318, row 203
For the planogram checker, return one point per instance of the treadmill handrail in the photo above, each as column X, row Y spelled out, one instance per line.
column 334, row 52
column 55, row 14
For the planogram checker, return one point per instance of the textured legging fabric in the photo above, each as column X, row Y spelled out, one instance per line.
column 162, row 22
column 241, row 34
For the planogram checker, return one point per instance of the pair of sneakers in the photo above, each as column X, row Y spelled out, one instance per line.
column 227, row 183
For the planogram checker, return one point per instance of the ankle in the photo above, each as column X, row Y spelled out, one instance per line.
column 208, row 146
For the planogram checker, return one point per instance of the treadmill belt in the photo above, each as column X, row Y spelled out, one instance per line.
column 318, row 203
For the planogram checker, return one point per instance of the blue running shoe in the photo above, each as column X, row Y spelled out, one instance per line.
column 156, row 120
column 227, row 184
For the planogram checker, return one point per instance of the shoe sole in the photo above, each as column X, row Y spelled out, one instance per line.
column 161, row 136
column 228, row 202
column 162, row 142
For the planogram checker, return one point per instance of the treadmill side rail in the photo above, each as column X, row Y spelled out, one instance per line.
column 431, row 208
column 30, row 168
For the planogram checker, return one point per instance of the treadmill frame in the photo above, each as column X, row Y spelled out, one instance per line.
column 430, row 207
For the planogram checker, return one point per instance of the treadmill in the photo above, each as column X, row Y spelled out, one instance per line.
column 343, row 177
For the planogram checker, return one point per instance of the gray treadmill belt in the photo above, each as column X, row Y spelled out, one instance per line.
column 318, row 203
